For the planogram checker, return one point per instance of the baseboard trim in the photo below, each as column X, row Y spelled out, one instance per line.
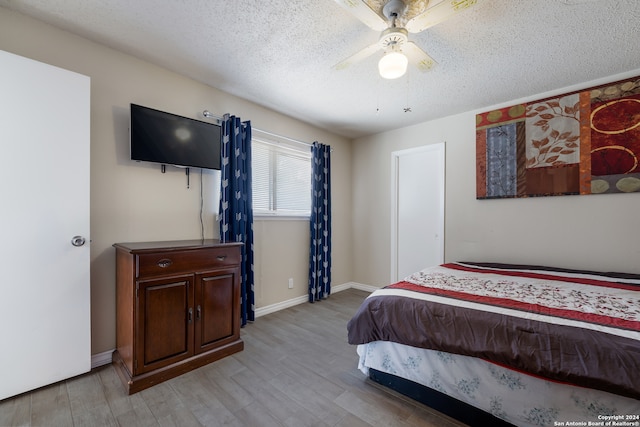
column 363, row 287
column 101, row 359
column 263, row 311
column 105, row 358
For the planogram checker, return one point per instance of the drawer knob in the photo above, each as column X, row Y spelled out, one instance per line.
column 221, row 257
column 164, row 263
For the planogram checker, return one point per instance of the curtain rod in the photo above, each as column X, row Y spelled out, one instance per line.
column 210, row 115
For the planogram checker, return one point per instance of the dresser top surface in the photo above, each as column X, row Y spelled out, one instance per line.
column 173, row 245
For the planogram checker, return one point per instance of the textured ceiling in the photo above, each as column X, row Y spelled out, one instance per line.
column 280, row 53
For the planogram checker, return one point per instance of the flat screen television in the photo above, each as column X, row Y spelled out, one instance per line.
column 160, row 137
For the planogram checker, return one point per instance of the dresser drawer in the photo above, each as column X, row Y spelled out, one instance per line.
column 162, row 263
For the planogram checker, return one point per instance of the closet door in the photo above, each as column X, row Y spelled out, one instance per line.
column 44, row 187
column 417, row 217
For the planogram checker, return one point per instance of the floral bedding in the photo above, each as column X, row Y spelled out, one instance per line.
column 576, row 327
column 513, row 396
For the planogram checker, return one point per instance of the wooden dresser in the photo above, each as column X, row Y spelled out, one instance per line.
column 177, row 308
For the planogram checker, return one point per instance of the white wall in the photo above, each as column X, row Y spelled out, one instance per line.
column 132, row 201
column 597, row 232
column 135, row 202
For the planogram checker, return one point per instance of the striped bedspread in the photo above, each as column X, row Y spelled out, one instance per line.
column 581, row 328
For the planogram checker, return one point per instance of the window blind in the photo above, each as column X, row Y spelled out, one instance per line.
column 281, row 179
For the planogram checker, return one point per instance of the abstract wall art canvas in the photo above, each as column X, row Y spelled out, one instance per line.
column 585, row 142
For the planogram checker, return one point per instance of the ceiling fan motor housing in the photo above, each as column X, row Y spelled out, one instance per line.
column 393, row 38
column 393, row 9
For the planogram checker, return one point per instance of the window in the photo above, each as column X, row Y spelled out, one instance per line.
column 281, row 179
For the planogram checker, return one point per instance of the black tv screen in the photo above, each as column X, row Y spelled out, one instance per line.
column 169, row 139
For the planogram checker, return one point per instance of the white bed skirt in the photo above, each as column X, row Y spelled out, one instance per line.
column 520, row 399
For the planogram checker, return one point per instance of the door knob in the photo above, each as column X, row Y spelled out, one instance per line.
column 77, row 241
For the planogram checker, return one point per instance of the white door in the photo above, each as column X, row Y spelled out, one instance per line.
column 45, row 326
column 417, row 217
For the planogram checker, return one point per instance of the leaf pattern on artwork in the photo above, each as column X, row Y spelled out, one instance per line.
column 553, row 127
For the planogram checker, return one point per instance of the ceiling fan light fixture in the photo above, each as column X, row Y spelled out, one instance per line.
column 393, row 65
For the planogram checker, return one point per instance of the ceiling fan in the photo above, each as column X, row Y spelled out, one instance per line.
column 396, row 19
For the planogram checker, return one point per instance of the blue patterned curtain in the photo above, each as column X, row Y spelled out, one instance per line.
column 320, row 227
column 236, row 210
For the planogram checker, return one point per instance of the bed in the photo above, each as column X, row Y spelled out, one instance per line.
column 507, row 344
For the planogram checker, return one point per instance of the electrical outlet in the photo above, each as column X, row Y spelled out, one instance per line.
column 291, row 283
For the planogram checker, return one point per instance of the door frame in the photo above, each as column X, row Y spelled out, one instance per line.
column 439, row 150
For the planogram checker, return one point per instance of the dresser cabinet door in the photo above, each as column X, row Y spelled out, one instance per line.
column 217, row 309
column 164, row 322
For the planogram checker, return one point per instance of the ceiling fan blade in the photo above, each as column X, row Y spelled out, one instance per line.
column 364, row 13
column 418, row 57
column 438, row 13
column 364, row 53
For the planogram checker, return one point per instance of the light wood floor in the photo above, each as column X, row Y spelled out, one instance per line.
column 296, row 370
